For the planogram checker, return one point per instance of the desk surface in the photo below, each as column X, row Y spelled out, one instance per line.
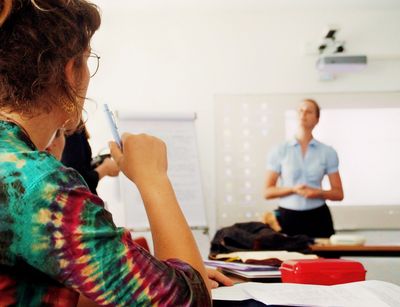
column 335, row 251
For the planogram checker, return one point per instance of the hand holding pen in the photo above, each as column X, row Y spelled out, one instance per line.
column 144, row 157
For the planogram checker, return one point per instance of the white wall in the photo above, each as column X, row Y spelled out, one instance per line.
column 178, row 59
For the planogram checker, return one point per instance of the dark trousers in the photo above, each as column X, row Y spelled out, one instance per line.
column 315, row 223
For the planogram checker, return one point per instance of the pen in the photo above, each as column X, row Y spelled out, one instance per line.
column 113, row 125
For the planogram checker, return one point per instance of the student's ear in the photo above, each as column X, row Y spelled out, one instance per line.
column 70, row 72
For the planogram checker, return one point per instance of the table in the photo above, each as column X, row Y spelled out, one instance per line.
column 337, row 251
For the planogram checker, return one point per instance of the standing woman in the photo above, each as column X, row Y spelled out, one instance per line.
column 56, row 239
column 301, row 164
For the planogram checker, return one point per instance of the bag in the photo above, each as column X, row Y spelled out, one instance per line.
column 256, row 236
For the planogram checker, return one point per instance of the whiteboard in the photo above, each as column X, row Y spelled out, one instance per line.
column 179, row 134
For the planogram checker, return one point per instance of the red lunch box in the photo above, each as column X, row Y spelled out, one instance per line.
column 322, row 271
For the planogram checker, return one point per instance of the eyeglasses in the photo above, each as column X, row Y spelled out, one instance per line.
column 93, row 63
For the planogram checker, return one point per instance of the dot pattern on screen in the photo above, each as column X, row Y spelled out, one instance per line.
column 242, row 133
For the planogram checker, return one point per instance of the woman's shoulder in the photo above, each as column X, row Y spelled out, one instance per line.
column 327, row 150
column 279, row 151
column 324, row 146
column 284, row 146
column 41, row 168
column 36, row 178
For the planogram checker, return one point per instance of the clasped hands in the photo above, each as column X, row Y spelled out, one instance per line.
column 306, row 191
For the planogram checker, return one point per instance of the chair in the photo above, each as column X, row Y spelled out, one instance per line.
column 142, row 242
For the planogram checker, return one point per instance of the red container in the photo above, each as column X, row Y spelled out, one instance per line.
column 322, row 271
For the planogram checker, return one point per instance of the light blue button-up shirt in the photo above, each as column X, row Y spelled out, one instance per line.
column 288, row 161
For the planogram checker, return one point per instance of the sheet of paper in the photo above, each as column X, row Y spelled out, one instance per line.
column 234, row 293
column 387, row 292
column 370, row 293
column 359, row 294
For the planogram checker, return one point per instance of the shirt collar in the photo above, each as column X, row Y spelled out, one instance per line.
column 294, row 142
column 313, row 142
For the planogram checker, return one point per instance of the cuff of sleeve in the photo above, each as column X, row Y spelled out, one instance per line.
column 273, row 168
column 332, row 170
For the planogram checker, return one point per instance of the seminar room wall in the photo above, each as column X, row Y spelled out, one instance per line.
column 178, row 58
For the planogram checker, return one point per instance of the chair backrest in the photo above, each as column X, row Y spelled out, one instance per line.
column 142, row 242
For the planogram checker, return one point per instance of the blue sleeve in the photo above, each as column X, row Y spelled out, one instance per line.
column 274, row 160
column 332, row 161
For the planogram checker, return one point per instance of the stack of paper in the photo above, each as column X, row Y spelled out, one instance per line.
column 248, row 271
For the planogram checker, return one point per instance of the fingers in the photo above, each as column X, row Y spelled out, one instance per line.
column 143, row 158
column 300, row 189
column 215, row 278
column 213, row 284
column 111, row 167
column 115, row 152
column 223, row 279
column 307, row 192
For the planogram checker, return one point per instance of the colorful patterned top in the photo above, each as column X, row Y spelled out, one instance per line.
column 56, row 239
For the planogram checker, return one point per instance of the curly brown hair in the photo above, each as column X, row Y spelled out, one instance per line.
column 37, row 39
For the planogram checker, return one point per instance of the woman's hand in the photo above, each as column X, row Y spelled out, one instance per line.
column 215, row 278
column 142, row 159
column 308, row 192
column 108, row 168
column 298, row 189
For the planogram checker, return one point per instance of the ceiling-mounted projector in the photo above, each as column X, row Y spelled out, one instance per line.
column 338, row 63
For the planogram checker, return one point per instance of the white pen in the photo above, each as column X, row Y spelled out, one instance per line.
column 113, row 125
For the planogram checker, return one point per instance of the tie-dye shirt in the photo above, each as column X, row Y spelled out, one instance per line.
column 56, row 240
